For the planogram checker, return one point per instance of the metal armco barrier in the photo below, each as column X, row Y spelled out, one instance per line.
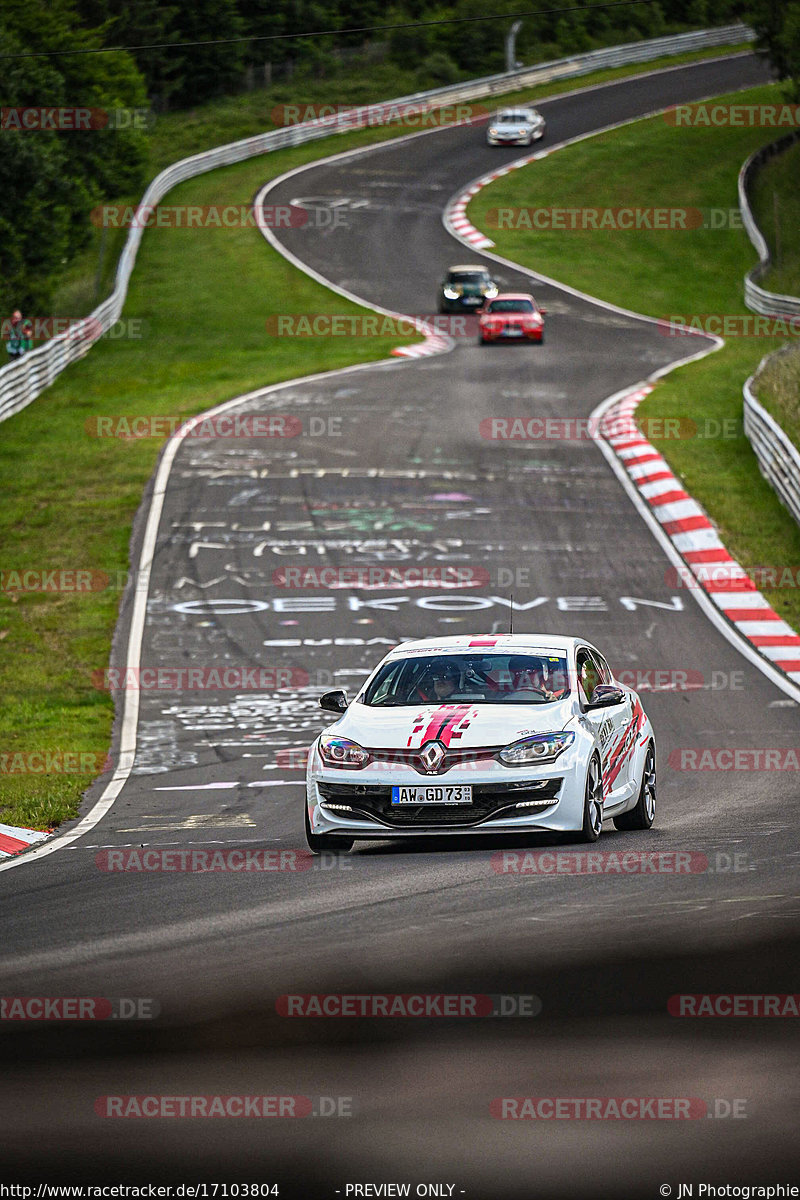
column 778, row 458
column 23, row 381
column 757, row 298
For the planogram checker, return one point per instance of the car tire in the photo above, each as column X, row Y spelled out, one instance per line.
column 644, row 812
column 318, row 843
column 592, row 803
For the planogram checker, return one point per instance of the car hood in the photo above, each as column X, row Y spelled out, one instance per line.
column 460, row 726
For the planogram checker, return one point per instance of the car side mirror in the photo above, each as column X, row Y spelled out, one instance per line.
column 605, row 695
column 334, row 701
column 543, row 311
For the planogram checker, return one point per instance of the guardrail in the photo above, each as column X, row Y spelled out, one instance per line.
column 23, row 381
column 756, row 298
column 778, row 457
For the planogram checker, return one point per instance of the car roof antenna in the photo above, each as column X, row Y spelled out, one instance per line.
column 510, row 612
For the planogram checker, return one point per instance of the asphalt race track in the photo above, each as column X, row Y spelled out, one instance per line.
column 391, row 468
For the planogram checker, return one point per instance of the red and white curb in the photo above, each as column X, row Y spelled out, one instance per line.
column 696, row 540
column 14, row 840
column 455, row 214
column 435, row 343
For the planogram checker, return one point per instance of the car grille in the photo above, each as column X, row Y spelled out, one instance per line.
column 490, row 801
column 452, row 758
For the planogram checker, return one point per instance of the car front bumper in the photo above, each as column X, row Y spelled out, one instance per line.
column 516, row 140
column 505, row 800
column 532, row 335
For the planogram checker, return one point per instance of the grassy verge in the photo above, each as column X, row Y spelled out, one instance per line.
column 203, row 299
column 775, row 201
column 665, row 274
column 90, row 276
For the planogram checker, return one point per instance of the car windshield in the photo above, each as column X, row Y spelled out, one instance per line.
column 468, row 277
column 513, row 118
column 520, row 306
column 476, row 679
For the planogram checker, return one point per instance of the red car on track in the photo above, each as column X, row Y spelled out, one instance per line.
column 512, row 316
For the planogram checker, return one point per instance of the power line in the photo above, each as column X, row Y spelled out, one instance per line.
column 279, row 37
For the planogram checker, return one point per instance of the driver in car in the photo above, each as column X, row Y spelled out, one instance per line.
column 439, row 682
column 528, row 679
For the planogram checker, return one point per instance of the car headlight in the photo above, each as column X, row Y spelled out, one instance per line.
column 492, row 132
column 541, row 748
column 490, row 290
column 341, row 752
column 452, row 293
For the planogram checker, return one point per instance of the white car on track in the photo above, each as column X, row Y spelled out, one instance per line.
column 491, row 734
column 515, row 127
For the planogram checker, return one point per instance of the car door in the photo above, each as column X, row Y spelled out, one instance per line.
column 622, row 754
column 612, row 725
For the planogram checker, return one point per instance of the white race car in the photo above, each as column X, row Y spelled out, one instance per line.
column 508, row 733
column 515, row 127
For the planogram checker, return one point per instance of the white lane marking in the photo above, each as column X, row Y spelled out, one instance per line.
column 205, row 787
column 199, row 787
column 277, row 783
column 198, row 821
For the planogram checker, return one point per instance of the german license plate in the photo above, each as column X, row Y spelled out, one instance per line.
column 455, row 793
column 513, row 331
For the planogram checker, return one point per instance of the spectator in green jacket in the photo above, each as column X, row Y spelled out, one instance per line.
column 16, row 344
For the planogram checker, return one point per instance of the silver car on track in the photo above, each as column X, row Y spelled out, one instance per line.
column 515, row 127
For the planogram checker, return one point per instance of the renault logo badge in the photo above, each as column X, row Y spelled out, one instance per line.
column 432, row 756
